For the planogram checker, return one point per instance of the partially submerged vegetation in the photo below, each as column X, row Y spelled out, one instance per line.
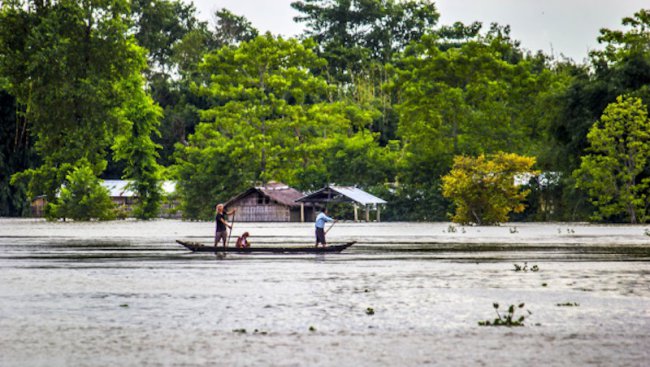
column 508, row 319
column 525, row 268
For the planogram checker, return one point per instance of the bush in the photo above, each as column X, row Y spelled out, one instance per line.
column 83, row 197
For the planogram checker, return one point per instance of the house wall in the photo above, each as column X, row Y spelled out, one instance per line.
column 258, row 208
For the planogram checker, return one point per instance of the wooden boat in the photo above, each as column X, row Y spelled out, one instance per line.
column 199, row 247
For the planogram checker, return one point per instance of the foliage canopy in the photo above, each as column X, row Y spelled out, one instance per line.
column 615, row 171
column 483, row 188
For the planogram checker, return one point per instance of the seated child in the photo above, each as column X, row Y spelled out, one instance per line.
column 242, row 241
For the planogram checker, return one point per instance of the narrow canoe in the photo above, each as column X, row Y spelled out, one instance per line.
column 199, row 247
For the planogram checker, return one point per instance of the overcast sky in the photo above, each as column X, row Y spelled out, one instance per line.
column 568, row 27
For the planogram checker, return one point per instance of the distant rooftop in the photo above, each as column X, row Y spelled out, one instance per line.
column 279, row 192
column 337, row 194
column 118, row 188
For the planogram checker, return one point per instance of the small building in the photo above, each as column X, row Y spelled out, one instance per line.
column 273, row 202
column 342, row 194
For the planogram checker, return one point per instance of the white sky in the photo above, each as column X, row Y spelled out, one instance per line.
column 568, row 27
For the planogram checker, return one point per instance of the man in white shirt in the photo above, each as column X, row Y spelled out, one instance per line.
column 320, row 227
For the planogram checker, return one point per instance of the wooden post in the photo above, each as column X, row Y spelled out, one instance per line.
column 356, row 214
column 378, row 213
column 367, row 213
column 302, row 212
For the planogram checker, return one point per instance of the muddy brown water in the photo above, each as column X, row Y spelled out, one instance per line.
column 125, row 294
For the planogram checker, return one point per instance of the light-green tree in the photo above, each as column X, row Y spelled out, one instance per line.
column 615, row 172
column 483, row 188
column 83, row 197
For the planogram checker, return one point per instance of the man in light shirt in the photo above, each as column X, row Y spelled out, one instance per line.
column 321, row 219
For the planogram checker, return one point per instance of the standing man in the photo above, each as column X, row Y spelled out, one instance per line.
column 320, row 227
column 221, row 231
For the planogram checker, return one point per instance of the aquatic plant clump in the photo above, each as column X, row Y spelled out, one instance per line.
column 508, row 319
column 525, row 268
column 568, row 304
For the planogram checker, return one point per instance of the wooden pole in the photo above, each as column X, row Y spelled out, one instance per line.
column 356, row 213
column 378, row 213
column 302, row 212
column 367, row 213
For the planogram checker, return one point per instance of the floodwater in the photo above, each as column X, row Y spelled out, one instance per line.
column 407, row 294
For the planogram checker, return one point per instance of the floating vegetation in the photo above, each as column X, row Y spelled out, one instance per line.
column 525, row 268
column 256, row 331
column 544, row 284
column 312, row 329
column 124, row 305
column 513, row 230
column 451, row 229
column 240, row 331
column 508, row 319
column 647, row 232
column 568, row 304
column 370, row 311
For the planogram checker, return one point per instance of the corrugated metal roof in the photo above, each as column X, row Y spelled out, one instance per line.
column 358, row 195
column 118, row 188
column 342, row 193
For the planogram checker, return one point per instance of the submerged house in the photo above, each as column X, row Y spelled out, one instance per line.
column 122, row 196
column 273, row 202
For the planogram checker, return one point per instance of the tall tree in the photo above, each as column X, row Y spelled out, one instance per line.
column 352, row 32
column 16, row 154
column 159, row 25
column 64, row 62
column 615, row 172
column 134, row 144
column 270, row 119
column 622, row 67
column 175, row 96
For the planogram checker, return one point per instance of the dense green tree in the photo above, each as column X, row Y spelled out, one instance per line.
column 231, row 29
column 352, row 32
column 16, row 154
column 134, row 145
column 64, row 62
column 271, row 119
column 175, row 96
column 622, row 67
column 83, row 197
column 483, row 188
column 619, row 153
column 159, row 25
